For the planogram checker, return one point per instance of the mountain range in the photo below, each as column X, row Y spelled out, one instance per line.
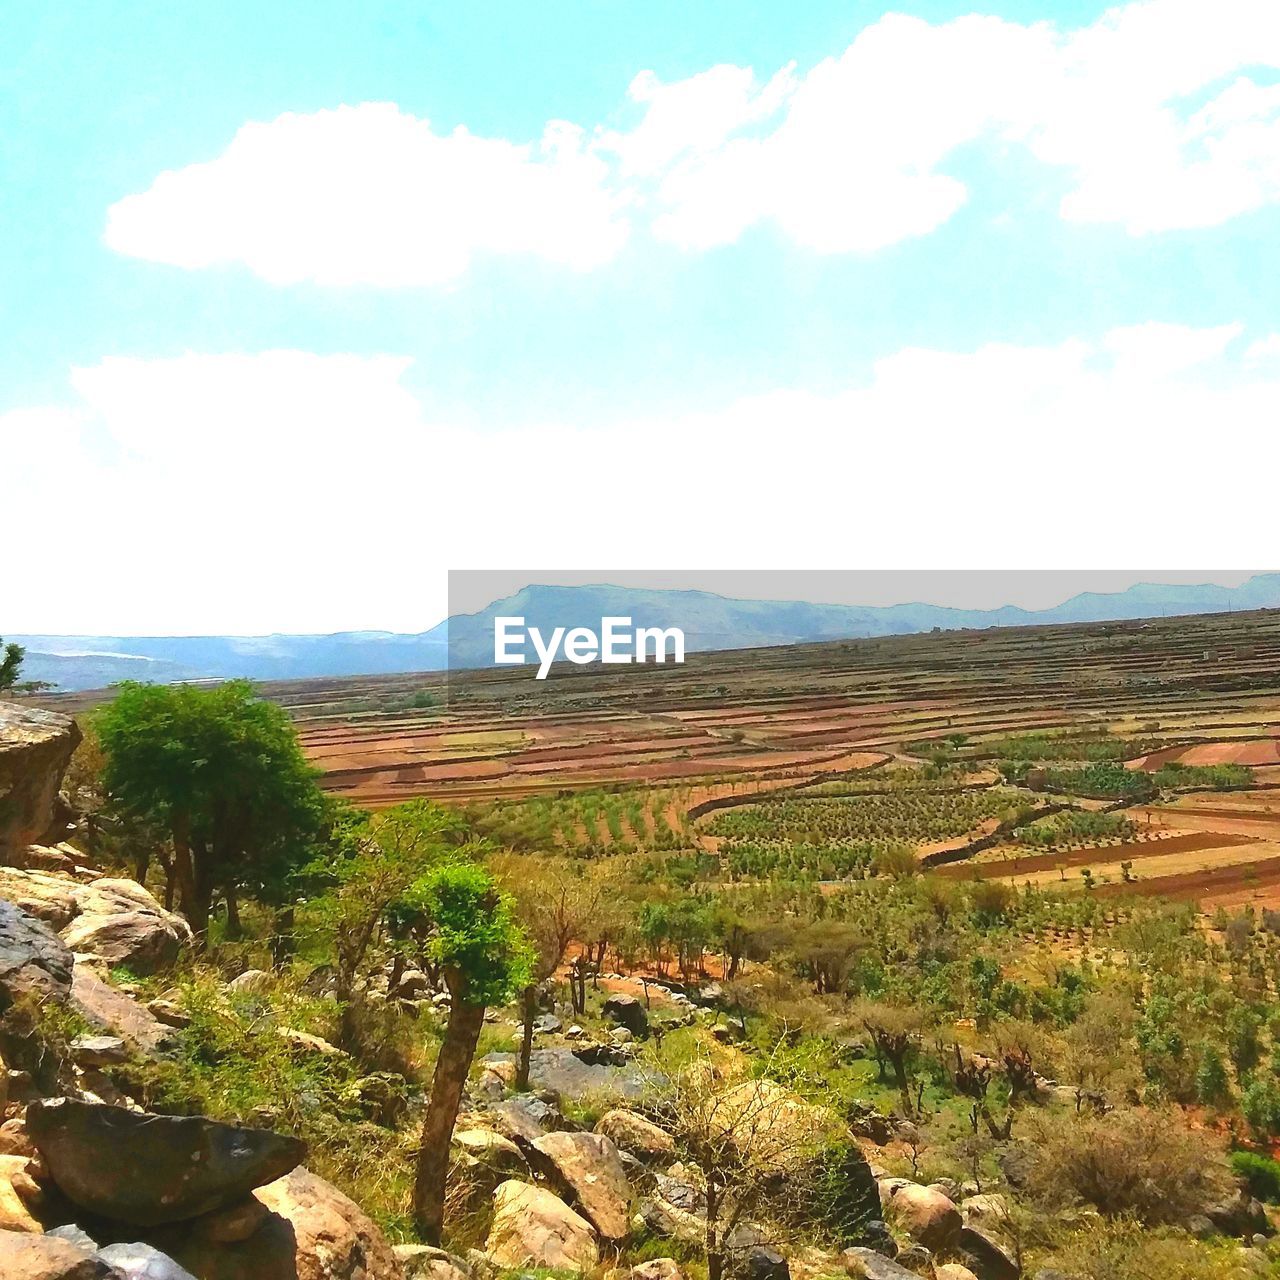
column 709, row 621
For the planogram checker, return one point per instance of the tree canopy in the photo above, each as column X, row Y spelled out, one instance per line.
column 222, row 772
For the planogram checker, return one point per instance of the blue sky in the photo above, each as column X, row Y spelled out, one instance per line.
column 718, row 307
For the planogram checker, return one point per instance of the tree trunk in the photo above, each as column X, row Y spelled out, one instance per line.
column 904, row 1085
column 235, row 930
column 715, row 1257
column 282, row 941
column 450, row 1078
column 529, row 1002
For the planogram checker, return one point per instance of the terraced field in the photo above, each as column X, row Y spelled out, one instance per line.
column 759, row 757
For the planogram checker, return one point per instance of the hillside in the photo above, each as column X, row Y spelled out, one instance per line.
column 709, row 621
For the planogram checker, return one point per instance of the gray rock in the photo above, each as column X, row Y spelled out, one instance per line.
column 99, row 1051
column 142, row 1262
column 547, row 1024
column 161, row 1168
column 874, row 1266
column 985, row 1258
column 568, row 1075
column 526, row 1117
column 627, row 1012
column 763, row 1263
column 34, row 962
column 74, row 1235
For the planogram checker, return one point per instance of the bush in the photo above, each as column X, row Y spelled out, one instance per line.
column 1123, row 1251
column 1262, row 1173
column 1132, row 1161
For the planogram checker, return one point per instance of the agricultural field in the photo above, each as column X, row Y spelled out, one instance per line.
column 1120, row 758
column 1145, row 754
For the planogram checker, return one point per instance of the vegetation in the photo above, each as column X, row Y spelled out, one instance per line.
column 11, row 656
column 924, row 1012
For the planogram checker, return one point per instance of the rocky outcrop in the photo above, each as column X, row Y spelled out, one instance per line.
column 161, row 1168
column 112, row 921
column 586, row 1167
column 533, row 1228
column 34, row 961
column 35, row 748
column 637, row 1136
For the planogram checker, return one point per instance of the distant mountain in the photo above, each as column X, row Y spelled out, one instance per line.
column 709, row 621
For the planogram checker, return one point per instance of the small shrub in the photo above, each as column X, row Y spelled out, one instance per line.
column 1262, row 1173
column 1139, row 1162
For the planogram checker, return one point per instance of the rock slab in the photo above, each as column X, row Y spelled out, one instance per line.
column 160, row 1168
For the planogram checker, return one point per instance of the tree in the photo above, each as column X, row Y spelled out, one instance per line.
column 895, row 1032
column 746, row 1135
column 221, row 771
column 10, row 664
column 556, row 905
column 373, row 871
column 485, row 959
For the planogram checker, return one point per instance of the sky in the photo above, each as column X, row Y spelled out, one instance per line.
column 302, row 305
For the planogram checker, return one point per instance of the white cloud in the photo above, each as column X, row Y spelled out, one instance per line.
column 863, row 150
column 1159, row 115
column 370, row 195
column 296, row 492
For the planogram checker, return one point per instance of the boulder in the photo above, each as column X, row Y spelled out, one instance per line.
column 527, row 1117
column 311, row 1231
column 231, row 1225
column 48, row 896
column 1240, row 1215
column 587, row 1169
column 18, row 1190
column 29, row 1257
column 927, row 1216
column 627, row 1012
column 986, row 1257
column 533, row 1228
column 14, row 1138
column 35, row 749
column 867, row 1264
column 34, row 962
column 250, row 982
column 143, row 939
column 113, row 1012
column 141, row 1262
column 487, row 1159
column 633, row 1133
column 147, row 1169
column 760, row 1262
column 569, row 1073
column 335, row 1239
column 657, row 1269
column 953, row 1271
column 422, row 1262
column 99, row 1051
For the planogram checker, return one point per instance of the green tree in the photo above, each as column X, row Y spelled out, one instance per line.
column 371, row 893
column 484, row 958
column 1212, row 1087
column 221, row 771
column 11, row 656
